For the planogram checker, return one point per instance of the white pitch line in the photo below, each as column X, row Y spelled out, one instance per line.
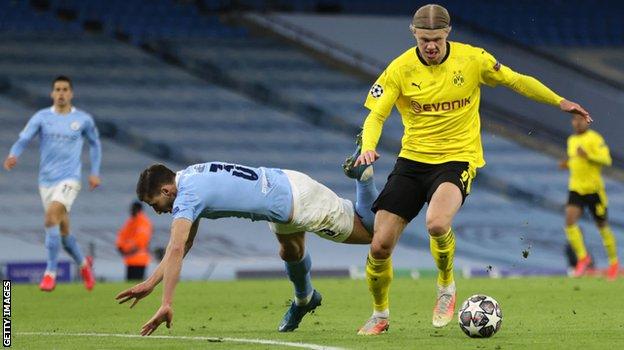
column 180, row 337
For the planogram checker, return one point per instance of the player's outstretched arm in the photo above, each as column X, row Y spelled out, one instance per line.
column 172, row 265
column 575, row 108
column 30, row 130
column 144, row 288
column 95, row 153
column 493, row 73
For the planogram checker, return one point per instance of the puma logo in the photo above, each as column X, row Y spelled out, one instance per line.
column 417, row 85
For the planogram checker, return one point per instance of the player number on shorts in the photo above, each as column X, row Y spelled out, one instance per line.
column 235, row 170
column 328, row 232
column 66, row 189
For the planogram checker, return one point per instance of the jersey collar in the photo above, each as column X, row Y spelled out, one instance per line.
column 177, row 177
column 422, row 60
column 72, row 110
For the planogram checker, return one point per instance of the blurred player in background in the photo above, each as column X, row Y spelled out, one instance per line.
column 62, row 129
column 436, row 88
column 291, row 201
column 133, row 242
column 587, row 154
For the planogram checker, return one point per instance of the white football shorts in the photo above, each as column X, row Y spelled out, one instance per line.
column 316, row 209
column 64, row 192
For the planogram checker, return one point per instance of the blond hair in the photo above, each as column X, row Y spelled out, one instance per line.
column 431, row 16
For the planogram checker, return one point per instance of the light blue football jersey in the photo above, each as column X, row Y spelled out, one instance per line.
column 216, row 190
column 61, row 138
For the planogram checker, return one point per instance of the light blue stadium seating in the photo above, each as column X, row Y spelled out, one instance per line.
column 121, row 84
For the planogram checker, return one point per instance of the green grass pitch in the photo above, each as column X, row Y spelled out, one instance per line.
column 539, row 313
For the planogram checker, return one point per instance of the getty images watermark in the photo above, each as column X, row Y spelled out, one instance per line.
column 6, row 313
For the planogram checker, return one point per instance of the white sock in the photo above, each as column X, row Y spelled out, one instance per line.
column 51, row 273
column 382, row 314
column 303, row 301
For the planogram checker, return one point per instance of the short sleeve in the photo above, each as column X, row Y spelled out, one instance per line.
column 492, row 72
column 187, row 204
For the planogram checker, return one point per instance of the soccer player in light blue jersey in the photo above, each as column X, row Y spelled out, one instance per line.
column 61, row 129
column 292, row 203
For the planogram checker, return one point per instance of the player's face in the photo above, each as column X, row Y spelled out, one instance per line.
column 62, row 94
column 432, row 43
column 579, row 124
column 162, row 203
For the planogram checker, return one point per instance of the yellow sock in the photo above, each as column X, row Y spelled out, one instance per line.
column 379, row 275
column 575, row 237
column 443, row 251
column 608, row 240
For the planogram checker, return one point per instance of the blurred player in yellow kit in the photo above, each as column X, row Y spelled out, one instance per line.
column 436, row 88
column 587, row 154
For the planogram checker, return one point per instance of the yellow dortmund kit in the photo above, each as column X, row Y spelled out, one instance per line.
column 587, row 190
column 585, row 184
column 439, row 104
column 585, row 175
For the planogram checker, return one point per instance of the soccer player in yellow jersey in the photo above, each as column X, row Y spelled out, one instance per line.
column 436, row 88
column 587, row 154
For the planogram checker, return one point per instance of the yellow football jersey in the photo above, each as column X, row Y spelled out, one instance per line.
column 439, row 104
column 585, row 177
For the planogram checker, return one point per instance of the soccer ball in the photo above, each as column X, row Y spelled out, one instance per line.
column 480, row 316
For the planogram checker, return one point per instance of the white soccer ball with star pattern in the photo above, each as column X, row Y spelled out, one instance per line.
column 480, row 316
column 376, row 91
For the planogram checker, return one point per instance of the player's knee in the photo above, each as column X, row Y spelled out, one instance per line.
column 437, row 226
column 51, row 219
column 381, row 250
column 53, row 216
column 570, row 220
column 291, row 253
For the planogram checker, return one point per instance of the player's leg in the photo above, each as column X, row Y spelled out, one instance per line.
column 320, row 210
column 379, row 273
column 443, row 205
column 360, row 234
column 366, row 193
column 53, row 215
column 135, row 273
column 573, row 212
column 450, row 185
column 598, row 209
column 365, row 189
column 65, row 193
column 398, row 203
column 298, row 265
column 69, row 241
column 129, row 273
column 73, row 249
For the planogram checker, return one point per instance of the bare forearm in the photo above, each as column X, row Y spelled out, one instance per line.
column 172, row 262
column 171, row 272
column 158, row 274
